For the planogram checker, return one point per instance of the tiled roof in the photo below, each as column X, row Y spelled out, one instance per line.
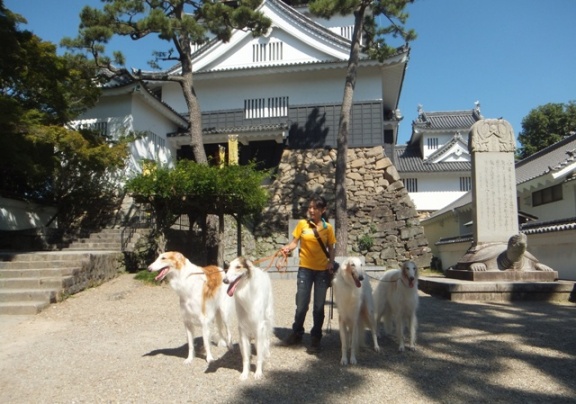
column 552, row 158
column 407, row 159
column 237, row 130
column 447, row 120
column 548, row 227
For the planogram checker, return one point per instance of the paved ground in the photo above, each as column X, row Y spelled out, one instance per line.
column 124, row 342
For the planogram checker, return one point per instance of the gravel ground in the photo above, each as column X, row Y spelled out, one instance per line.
column 124, row 342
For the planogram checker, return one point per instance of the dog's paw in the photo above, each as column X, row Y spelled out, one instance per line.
column 353, row 360
column 401, row 348
column 344, row 361
column 411, row 347
column 258, row 375
column 244, row 376
column 209, row 359
column 188, row 361
column 377, row 348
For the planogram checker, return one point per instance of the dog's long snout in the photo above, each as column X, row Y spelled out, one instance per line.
column 360, row 277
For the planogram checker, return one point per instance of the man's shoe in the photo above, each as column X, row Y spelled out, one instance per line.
column 315, row 344
column 293, row 339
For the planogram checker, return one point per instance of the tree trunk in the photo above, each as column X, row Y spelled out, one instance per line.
column 195, row 118
column 342, row 142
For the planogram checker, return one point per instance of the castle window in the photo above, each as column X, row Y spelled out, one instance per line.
column 465, row 184
column 265, row 107
column 432, row 143
column 265, row 52
column 411, row 184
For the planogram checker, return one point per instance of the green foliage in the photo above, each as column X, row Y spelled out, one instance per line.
column 146, row 277
column 192, row 187
column 546, row 125
column 366, row 241
column 40, row 159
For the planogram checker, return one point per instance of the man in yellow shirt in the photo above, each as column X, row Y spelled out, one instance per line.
column 315, row 270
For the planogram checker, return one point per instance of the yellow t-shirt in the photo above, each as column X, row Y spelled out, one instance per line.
column 311, row 254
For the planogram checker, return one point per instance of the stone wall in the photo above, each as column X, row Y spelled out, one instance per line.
column 380, row 211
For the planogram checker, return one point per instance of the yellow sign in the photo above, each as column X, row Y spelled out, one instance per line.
column 233, row 149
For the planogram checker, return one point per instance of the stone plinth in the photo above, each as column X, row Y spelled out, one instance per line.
column 466, row 291
column 502, row 276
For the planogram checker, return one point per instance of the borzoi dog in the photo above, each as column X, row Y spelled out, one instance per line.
column 203, row 299
column 396, row 301
column 353, row 297
column 252, row 291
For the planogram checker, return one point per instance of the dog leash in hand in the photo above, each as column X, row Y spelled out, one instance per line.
column 280, row 258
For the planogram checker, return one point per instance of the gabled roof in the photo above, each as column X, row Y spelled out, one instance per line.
column 408, row 159
column 552, row 159
column 334, row 49
column 457, row 143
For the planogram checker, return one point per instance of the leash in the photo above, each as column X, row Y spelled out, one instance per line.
column 279, row 259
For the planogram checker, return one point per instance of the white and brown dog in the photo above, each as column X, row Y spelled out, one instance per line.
column 396, row 302
column 353, row 297
column 252, row 291
column 203, row 298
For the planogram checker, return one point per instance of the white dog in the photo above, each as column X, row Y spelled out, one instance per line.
column 396, row 301
column 203, row 298
column 353, row 297
column 252, row 291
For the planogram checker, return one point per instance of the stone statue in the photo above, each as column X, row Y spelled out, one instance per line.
column 502, row 257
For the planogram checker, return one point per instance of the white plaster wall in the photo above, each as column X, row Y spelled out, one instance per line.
column 19, row 215
column 434, row 200
column 310, row 88
column 147, row 119
column 557, row 250
column 562, row 209
column 443, row 138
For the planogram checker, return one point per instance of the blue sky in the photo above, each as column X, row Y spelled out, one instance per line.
column 511, row 55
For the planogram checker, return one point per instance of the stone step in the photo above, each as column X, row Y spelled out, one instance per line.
column 24, row 295
column 94, row 246
column 43, row 256
column 30, row 283
column 13, row 265
column 23, row 308
column 38, row 272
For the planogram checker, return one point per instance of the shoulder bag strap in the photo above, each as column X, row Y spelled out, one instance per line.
column 320, row 242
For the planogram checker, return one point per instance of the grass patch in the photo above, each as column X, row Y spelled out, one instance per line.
column 146, row 277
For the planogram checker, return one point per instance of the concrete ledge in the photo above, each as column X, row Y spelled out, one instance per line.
column 502, row 276
column 462, row 290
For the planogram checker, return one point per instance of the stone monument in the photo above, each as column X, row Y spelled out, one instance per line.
column 498, row 252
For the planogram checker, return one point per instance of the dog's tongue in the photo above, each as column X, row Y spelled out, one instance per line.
column 233, row 286
column 411, row 283
column 356, row 281
column 162, row 274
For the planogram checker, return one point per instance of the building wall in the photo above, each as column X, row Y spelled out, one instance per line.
column 302, row 88
column 561, row 209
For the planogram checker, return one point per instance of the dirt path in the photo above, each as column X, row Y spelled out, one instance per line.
column 124, row 342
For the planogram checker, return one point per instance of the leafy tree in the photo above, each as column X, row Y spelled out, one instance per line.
column 546, row 125
column 181, row 23
column 199, row 188
column 41, row 159
column 376, row 46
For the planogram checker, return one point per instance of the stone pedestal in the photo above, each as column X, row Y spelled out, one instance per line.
column 503, row 276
